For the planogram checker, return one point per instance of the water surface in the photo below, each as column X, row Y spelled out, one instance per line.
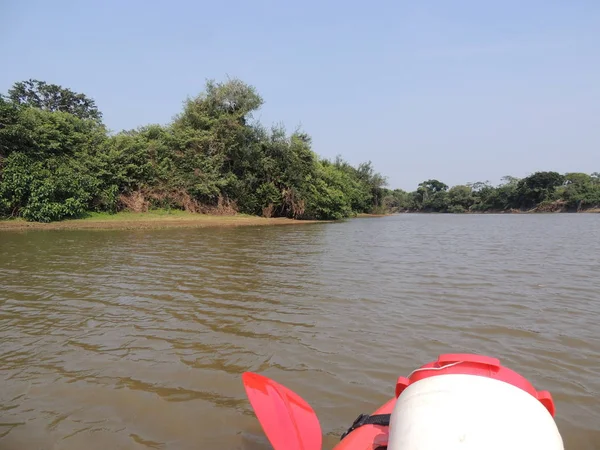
column 137, row 339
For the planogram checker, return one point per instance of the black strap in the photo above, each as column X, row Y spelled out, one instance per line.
column 365, row 419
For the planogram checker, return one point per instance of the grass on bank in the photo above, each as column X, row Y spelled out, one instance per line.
column 157, row 214
column 150, row 219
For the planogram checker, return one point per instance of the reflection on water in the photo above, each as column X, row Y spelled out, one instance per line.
column 137, row 339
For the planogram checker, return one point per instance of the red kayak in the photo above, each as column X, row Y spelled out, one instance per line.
column 460, row 401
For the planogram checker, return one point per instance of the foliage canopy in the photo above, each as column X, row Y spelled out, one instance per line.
column 58, row 161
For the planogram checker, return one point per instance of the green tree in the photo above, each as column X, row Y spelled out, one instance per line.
column 539, row 187
column 579, row 191
column 489, row 198
column 397, row 200
column 50, row 172
column 577, row 178
column 460, row 198
column 375, row 182
column 13, row 135
column 431, row 195
column 362, row 185
column 53, row 97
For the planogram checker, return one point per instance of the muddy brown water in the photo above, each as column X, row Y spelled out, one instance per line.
column 137, row 339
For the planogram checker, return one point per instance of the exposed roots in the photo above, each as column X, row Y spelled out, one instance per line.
column 294, row 205
column 224, row 207
column 141, row 201
column 135, row 202
column 556, row 206
column 267, row 211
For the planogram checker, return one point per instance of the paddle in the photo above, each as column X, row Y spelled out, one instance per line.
column 287, row 420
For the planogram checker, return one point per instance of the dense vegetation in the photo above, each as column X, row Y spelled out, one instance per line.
column 540, row 192
column 57, row 161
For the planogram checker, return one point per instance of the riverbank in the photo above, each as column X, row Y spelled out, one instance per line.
column 509, row 211
column 365, row 215
column 151, row 220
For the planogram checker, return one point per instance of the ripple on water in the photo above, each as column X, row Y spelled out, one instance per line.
column 137, row 339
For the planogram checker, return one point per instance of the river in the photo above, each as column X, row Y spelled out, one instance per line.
column 137, row 339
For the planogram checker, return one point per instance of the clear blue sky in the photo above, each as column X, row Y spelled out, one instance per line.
column 455, row 90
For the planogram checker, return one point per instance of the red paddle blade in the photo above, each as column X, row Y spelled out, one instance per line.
column 287, row 420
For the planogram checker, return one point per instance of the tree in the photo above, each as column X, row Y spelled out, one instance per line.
column 579, row 190
column 510, row 180
column 479, row 185
column 460, row 197
column 374, row 180
column 433, row 186
column 538, row 187
column 52, row 97
column 397, row 200
column 13, row 136
column 54, row 173
column 577, row 178
column 233, row 100
column 364, row 186
column 430, row 196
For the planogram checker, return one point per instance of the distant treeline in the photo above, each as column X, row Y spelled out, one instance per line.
column 57, row 161
column 539, row 192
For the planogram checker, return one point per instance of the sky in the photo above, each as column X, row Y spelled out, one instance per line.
column 459, row 91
